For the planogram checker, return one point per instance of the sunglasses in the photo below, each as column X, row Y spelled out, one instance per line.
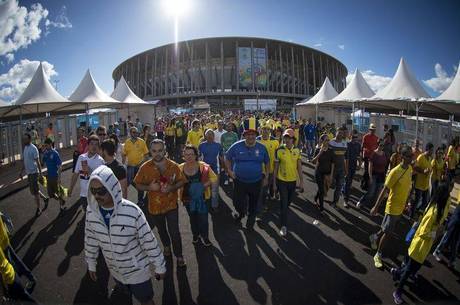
column 100, row 191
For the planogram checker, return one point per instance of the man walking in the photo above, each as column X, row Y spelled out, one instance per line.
column 353, row 157
column 370, row 144
column 108, row 154
column 338, row 146
column 397, row 186
column 118, row 228
column 287, row 172
column 244, row 162
column 212, row 154
column 135, row 149
column 309, row 132
column 161, row 178
column 54, row 166
column 86, row 164
column 31, row 165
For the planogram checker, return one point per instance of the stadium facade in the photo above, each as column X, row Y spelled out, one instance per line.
column 225, row 71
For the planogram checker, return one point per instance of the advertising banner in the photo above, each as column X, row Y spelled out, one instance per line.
column 245, row 67
column 260, row 67
column 260, row 104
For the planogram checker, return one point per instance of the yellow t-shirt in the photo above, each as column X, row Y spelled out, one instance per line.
column 212, row 126
column 452, row 158
column 422, row 181
column 194, row 137
column 296, row 134
column 286, row 123
column 6, row 269
column 135, row 151
column 437, row 168
column 271, row 145
column 170, row 131
column 287, row 159
column 399, row 182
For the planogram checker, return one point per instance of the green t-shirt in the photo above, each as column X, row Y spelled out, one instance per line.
column 227, row 139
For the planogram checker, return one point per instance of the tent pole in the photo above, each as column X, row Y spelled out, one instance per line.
column 352, row 115
column 87, row 117
column 417, row 107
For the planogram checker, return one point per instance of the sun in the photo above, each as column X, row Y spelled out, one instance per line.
column 176, row 8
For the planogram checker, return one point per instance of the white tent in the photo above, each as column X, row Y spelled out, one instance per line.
column 449, row 100
column 89, row 93
column 325, row 93
column 356, row 89
column 125, row 95
column 38, row 97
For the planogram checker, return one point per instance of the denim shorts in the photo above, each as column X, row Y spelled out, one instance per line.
column 389, row 223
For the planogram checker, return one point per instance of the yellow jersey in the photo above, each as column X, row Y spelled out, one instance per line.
column 287, row 160
column 135, row 151
column 399, row 182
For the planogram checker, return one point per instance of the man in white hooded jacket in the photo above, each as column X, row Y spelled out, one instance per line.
column 118, row 227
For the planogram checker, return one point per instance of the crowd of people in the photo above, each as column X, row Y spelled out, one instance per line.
column 185, row 159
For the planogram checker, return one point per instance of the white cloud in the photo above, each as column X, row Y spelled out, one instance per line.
column 61, row 21
column 19, row 26
column 15, row 81
column 9, row 57
column 375, row 81
column 442, row 80
column 341, row 46
column 318, row 44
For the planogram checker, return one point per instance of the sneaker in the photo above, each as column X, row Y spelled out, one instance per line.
column 283, row 231
column 345, row 204
column 226, row 182
column 378, row 261
column 195, row 239
column 359, row 204
column 30, row 285
column 397, row 298
column 437, row 256
column 394, row 274
column 206, row 242
column 373, row 239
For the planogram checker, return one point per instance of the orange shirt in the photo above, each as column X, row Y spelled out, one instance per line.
column 160, row 203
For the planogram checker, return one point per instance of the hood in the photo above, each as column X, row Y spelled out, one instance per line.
column 110, row 182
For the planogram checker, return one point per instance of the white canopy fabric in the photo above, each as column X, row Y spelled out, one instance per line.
column 403, row 86
column 38, row 97
column 356, row 89
column 325, row 93
column 89, row 93
column 453, row 92
column 125, row 95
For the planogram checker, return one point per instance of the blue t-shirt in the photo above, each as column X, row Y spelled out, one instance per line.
column 309, row 131
column 247, row 161
column 211, row 153
column 53, row 161
column 106, row 214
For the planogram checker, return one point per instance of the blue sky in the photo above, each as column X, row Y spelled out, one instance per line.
column 369, row 35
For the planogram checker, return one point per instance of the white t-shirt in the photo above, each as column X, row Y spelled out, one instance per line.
column 84, row 167
column 30, row 154
column 218, row 134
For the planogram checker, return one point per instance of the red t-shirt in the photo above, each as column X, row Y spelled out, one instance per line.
column 82, row 145
column 370, row 143
column 379, row 163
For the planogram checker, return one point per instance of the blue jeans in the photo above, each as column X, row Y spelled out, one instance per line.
column 420, row 202
column 131, row 173
column 310, row 145
column 287, row 193
column 348, row 181
column 374, row 188
column 338, row 181
column 198, row 223
column 451, row 237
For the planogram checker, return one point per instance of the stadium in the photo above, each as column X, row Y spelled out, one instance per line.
column 230, row 72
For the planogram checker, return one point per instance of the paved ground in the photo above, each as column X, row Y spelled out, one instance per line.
column 325, row 263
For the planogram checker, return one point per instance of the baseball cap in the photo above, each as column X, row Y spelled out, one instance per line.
column 372, row 126
column 289, row 132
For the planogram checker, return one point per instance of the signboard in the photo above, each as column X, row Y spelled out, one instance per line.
column 260, row 104
column 245, row 67
column 260, row 67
